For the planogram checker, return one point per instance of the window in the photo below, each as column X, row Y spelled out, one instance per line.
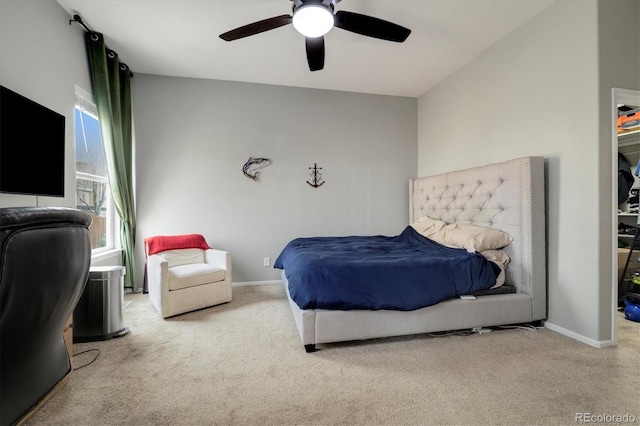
column 93, row 194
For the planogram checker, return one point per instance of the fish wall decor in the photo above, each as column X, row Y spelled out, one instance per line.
column 251, row 168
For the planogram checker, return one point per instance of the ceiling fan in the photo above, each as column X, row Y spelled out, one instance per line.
column 314, row 18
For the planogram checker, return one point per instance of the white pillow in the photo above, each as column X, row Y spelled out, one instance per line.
column 427, row 227
column 471, row 237
column 179, row 257
column 500, row 258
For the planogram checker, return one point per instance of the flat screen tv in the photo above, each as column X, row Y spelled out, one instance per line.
column 32, row 147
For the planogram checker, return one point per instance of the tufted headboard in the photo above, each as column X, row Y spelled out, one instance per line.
column 508, row 196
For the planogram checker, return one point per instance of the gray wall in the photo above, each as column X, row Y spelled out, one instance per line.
column 42, row 57
column 544, row 91
column 193, row 137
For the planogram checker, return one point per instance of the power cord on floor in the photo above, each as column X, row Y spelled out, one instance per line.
column 84, row 352
column 522, row 327
column 484, row 330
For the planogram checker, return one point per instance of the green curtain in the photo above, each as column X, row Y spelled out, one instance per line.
column 111, row 82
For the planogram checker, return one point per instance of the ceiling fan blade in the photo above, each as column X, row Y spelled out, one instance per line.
column 315, row 53
column 370, row 26
column 257, row 27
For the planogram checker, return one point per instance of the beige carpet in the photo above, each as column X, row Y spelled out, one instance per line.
column 242, row 363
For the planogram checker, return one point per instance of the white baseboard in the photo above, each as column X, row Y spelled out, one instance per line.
column 579, row 337
column 271, row 282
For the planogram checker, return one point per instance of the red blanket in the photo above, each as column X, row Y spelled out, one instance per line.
column 171, row 242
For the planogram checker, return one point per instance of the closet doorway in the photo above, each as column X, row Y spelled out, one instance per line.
column 626, row 141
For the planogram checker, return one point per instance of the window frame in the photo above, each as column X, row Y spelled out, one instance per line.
column 86, row 105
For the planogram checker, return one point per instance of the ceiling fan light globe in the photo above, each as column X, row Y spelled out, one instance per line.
column 313, row 20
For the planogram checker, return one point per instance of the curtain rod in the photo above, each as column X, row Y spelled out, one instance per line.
column 78, row 20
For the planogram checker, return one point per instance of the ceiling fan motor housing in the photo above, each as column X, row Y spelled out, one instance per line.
column 328, row 4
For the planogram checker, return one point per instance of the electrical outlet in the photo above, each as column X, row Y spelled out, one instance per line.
column 267, row 261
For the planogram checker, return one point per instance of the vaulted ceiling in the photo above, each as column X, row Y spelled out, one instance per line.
column 181, row 38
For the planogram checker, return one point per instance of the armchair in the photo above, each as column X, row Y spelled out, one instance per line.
column 185, row 274
column 45, row 254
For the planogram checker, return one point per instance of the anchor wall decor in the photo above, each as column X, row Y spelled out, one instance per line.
column 316, row 176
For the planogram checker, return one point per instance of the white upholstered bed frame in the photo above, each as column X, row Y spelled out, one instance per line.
column 508, row 196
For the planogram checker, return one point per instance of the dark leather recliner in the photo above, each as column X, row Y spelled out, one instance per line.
column 45, row 255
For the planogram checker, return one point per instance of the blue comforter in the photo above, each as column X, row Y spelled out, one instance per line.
column 403, row 272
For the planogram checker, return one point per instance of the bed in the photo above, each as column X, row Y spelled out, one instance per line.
column 507, row 197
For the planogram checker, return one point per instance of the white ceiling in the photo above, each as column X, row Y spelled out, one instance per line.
column 180, row 38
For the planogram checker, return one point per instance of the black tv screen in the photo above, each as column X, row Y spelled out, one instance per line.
column 32, row 147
